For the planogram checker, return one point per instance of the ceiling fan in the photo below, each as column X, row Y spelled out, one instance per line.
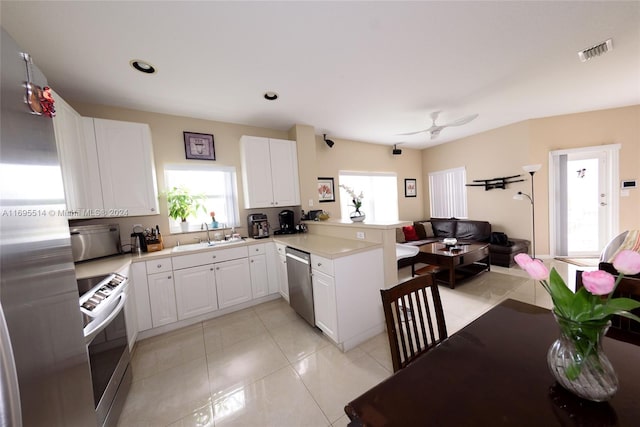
column 435, row 129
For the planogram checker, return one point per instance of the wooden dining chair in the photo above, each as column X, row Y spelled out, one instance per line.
column 414, row 318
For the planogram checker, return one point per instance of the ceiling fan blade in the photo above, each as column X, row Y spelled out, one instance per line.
column 414, row 133
column 462, row 121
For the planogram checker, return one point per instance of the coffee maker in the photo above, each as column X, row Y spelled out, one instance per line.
column 258, row 225
column 287, row 222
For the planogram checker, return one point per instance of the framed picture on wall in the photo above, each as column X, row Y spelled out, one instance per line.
column 325, row 190
column 199, row 146
column 410, row 187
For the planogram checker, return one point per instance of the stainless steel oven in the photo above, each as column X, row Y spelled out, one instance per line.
column 102, row 302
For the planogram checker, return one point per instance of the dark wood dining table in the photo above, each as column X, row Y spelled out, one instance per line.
column 494, row 372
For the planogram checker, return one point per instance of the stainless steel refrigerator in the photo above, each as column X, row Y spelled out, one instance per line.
column 43, row 337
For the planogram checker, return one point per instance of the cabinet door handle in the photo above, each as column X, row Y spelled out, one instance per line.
column 251, row 260
column 159, row 266
column 319, row 264
column 168, row 277
column 217, row 268
column 213, row 256
column 211, row 269
column 153, row 209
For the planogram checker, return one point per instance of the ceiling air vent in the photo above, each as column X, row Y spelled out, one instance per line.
column 597, row 50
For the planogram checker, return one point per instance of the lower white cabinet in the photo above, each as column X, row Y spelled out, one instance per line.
column 346, row 297
column 162, row 298
column 259, row 277
column 283, row 280
column 233, row 281
column 324, row 303
column 195, row 291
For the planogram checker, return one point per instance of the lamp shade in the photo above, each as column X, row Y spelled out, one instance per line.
column 532, row 168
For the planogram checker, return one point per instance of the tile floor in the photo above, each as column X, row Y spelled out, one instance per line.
column 264, row 366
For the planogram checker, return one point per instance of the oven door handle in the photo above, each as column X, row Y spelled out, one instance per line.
column 91, row 331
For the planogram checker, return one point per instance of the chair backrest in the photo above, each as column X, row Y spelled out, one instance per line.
column 622, row 328
column 414, row 317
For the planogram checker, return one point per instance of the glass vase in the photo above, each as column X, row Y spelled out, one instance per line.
column 357, row 216
column 577, row 360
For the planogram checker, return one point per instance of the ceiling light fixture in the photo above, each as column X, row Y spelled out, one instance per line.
column 142, row 66
column 270, row 96
column 597, row 50
column 328, row 141
column 396, row 151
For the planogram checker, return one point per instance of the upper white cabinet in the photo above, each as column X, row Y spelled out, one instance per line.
column 80, row 171
column 127, row 170
column 107, row 165
column 269, row 172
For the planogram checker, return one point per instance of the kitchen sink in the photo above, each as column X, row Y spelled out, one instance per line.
column 205, row 245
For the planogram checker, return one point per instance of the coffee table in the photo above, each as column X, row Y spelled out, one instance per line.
column 456, row 262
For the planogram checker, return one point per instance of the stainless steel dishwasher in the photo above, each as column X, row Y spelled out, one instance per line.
column 300, row 288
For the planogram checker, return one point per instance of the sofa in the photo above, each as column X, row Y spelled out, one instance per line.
column 434, row 230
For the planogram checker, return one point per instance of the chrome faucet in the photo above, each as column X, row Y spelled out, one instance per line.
column 208, row 236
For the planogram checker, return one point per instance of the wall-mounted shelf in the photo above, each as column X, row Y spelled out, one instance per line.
column 490, row 184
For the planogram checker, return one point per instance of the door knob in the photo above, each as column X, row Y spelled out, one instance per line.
column 603, row 204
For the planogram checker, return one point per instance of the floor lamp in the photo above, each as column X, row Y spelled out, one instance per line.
column 532, row 169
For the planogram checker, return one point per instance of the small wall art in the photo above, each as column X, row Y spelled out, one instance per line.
column 410, row 187
column 199, row 146
column 325, row 190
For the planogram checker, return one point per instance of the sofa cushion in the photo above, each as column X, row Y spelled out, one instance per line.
column 479, row 231
column 444, row 227
column 424, row 229
column 400, row 236
column 410, row 233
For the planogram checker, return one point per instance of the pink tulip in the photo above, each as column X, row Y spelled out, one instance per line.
column 534, row 267
column 522, row 260
column 598, row 282
column 627, row 262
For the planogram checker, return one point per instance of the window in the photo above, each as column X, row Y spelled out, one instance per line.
column 218, row 186
column 448, row 193
column 380, row 190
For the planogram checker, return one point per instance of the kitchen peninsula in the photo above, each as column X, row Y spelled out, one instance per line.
column 174, row 288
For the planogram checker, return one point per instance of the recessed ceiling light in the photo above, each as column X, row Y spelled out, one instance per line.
column 270, row 96
column 142, row 66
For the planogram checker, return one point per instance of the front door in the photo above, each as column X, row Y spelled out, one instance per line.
column 584, row 200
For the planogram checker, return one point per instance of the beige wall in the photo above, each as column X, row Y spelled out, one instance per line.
column 168, row 148
column 495, row 153
column 314, row 158
column 503, row 151
column 364, row 157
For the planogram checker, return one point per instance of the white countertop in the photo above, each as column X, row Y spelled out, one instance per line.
column 364, row 224
column 328, row 247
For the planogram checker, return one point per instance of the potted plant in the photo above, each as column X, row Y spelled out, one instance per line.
column 183, row 204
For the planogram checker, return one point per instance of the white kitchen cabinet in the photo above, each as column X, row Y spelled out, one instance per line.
column 162, row 298
column 346, row 296
column 130, row 313
column 233, row 282
column 138, row 279
column 195, row 291
column 79, row 161
column 324, row 303
column 283, row 280
column 258, row 270
column 269, row 172
column 127, row 169
column 272, row 268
